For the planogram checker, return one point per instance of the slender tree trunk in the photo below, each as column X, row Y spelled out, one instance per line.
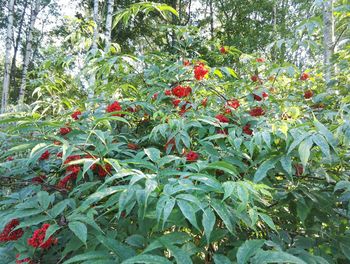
column 28, row 51
column 95, row 18
column 328, row 39
column 18, row 39
column 211, row 19
column 6, row 83
column 109, row 24
column 91, row 89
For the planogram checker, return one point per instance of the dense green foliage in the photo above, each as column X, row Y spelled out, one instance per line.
column 186, row 152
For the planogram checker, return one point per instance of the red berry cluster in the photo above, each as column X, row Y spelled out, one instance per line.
column 71, row 171
column 222, row 118
column 39, row 179
column 181, row 91
column 76, row 114
column 114, row 107
column 192, row 156
column 200, row 71
column 257, row 111
column 65, row 130
column 37, row 240
column 247, row 130
column 9, row 234
column 25, row 260
column 45, row 155
column 304, row 76
column 259, row 98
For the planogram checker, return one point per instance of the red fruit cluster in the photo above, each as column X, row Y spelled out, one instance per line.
column 9, row 234
column 181, row 91
column 176, row 102
column 114, row 107
column 200, row 71
column 222, row 118
column 247, row 130
column 223, row 50
column 259, row 98
column 103, row 170
column 192, row 156
column 222, row 131
column 38, row 179
column 257, row 111
column 308, row 94
column 261, row 60
column 76, row 115
column 299, row 169
column 234, row 103
column 65, row 130
column 71, row 171
column 168, row 92
column 45, row 155
column 25, row 260
column 10, row 158
column 155, row 96
column 133, row 146
column 255, row 78
column 37, row 240
column 186, row 63
column 204, row 102
column 171, row 142
column 304, row 76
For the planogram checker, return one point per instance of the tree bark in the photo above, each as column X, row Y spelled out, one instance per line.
column 328, row 39
column 28, row 51
column 18, row 39
column 9, row 40
column 92, row 79
column 109, row 24
column 95, row 18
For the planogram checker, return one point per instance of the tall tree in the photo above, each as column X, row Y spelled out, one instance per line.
column 328, row 38
column 28, row 51
column 17, row 44
column 9, row 40
column 109, row 23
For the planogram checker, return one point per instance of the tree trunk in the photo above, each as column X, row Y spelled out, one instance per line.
column 95, row 18
column 28, row 51
column 109, row 24
column 6, row 83
column 328, row 39
column 91, row 88
column 211, row 19
column 18, row 39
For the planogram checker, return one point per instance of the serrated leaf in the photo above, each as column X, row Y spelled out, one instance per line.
column 304, row 150
column 266, row 257
column 188, row 211
column 79, row 229
column 267, row 219
column 208, row 222
column 248, row 249
column 261, row 172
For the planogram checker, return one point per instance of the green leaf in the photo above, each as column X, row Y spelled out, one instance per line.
column 266, row 257
column 248, row 249
column 208, row 222
column 223, row 213
column 323, row 144
column 147, row 259
column 267, row 219
column 302, row 210
column 88, row 256
column 44, row 199
column 221, row 259
column 304, row 150
column 286, row 163
column 153, row 154
column 51, row 230
column 224, row 166
column 188, row 211
column 121, row 250
column 79, row 229
column 261, row 172
column 180, row 255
